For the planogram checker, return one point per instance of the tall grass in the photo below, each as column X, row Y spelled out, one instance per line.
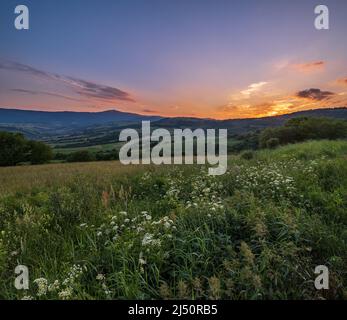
column 104, row 231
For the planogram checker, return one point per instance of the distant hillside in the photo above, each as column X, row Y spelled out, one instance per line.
column 87, row 129
column 65, row 118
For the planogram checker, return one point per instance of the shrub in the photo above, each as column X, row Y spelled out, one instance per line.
column 80, row 156
column 15, row 149
column 272, row 143
column 39, row 152
column 305, row 128
column 247, row 155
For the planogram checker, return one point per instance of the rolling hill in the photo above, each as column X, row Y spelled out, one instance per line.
column 76, row 129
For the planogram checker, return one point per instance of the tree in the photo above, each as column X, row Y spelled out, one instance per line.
column 305, row 128
column 39, row 152
column 13, row 148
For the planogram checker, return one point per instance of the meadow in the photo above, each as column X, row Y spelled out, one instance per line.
column 107, row 231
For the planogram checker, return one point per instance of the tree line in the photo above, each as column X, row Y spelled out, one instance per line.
column 15, row 148
column 302, row 129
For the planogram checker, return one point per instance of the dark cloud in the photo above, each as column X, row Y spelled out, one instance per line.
column 93, row 90
column 52, row 94
column 149, row 111
column 15, row 66
column 84, row 88
column 315, row 94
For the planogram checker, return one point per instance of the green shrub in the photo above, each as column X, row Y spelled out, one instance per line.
column 272, row 143
column 247, row 155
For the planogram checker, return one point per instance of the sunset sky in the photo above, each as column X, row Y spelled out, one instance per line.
column 202, row 58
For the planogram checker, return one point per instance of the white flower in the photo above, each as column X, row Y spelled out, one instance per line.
column 42, row 285
column 167, row 225
column 65, row 294
column 100, row 277
column 54, row 286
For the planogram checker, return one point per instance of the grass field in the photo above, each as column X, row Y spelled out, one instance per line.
column 106, row 231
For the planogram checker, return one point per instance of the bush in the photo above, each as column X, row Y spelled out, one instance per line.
column 80, row 156
column 272, row 143
column 247, row 155
column 304, row 128
column 39, row 152
column 15, row 149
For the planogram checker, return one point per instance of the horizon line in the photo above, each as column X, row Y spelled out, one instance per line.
column 171, row 117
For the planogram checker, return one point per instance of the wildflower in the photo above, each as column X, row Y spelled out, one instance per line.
column 247, row 253
column 100, row 277
column 164, row 291
column 167, row 225
column 105, row 198
column 42, row 286
column 148, row 240
column 54, row 286
column 65, row 294
column 215, row 289
column 27, row 298
column 197, row 285
column 183, row 291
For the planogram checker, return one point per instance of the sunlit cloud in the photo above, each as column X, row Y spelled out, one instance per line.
column 254, row 87
column 342, row 81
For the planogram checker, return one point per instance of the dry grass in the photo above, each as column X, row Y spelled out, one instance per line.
column 25, row 178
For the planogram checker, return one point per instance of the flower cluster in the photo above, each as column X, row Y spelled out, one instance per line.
column 203, row 191
column 265, row 180
column 64, row 289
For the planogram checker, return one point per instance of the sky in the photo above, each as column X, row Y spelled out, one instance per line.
column 193, row 58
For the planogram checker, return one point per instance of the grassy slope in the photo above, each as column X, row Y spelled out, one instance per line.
column 256, row 232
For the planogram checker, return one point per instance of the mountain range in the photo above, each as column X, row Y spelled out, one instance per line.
column 90, row 128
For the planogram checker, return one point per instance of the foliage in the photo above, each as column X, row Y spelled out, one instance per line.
column 305, row 128
column 257, row 232
column 15, row 149
column 80, row 156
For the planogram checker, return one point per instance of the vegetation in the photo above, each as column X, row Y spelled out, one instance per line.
column 302, row 129
column 15, row 149
column 102, row 230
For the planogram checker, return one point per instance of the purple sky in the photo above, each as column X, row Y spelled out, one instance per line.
column 208, row 58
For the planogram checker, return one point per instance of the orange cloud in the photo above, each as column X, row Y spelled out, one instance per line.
column 342, row 81
column 309, row 67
